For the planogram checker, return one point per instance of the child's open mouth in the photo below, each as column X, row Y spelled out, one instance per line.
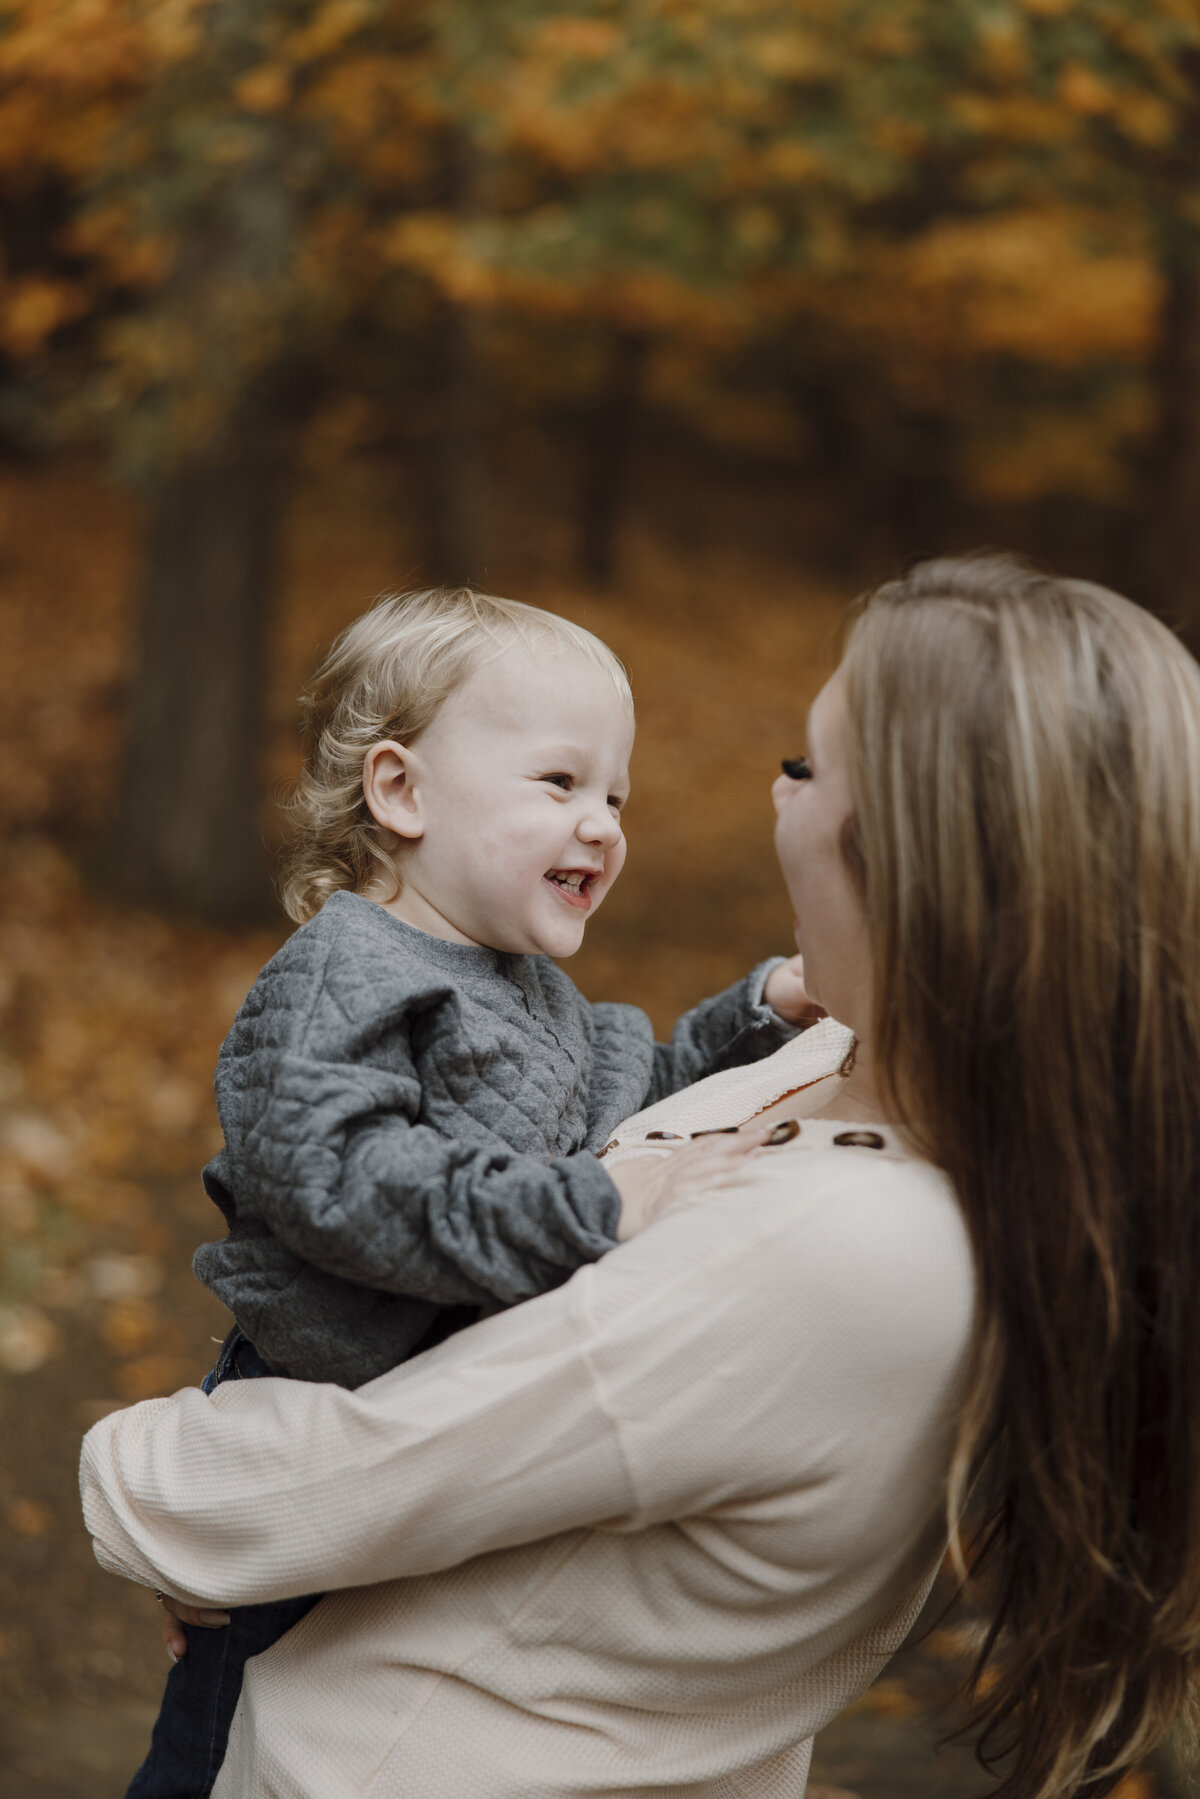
column 571, row 885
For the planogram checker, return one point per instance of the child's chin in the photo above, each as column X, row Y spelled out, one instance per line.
column 563, row 943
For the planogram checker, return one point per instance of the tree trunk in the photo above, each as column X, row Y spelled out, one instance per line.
column 1175, row 498
column 607, row 457
column 189, row 834
column 458, row 510
column 457, row 546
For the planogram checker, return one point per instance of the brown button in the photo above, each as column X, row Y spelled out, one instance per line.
column 860, row 1140
column 783, row 1132
column 718, row 1130
column 664, row 1136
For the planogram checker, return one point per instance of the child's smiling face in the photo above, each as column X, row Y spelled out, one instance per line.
column 508, row 806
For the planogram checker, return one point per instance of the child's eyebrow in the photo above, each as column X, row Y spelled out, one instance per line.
column 558, row 751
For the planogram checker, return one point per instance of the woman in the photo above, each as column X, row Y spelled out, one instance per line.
column 647, row 1533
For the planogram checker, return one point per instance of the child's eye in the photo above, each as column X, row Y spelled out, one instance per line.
column 566, row 782
column 615, row 801
column 796, row 768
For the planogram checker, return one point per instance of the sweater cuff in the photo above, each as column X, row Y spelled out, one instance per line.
column 595, row 1201
column 762, row 1013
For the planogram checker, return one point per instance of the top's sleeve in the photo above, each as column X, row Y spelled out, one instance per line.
column 727, row 1031
column 187, row 1494
column 635, row 1395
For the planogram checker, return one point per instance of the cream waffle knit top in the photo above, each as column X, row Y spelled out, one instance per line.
column 643, row 1535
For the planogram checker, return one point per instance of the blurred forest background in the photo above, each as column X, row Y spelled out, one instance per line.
column 684, row 317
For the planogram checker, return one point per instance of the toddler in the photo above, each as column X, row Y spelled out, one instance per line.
column 414, row 1097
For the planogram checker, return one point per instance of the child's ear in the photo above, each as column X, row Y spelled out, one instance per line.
column 390, row 789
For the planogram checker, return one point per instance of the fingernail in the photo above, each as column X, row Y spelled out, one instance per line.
column 782, row 1133
column 172, row 1655
column 215, row 1617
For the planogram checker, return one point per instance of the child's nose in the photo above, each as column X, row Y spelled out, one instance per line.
column 599, row 826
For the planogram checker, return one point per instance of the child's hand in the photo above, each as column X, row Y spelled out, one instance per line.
column 649, row 1184
column 786, row 994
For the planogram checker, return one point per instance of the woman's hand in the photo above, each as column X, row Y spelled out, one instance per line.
column 786, row 994
column 649, row 1184
column 176, row 1615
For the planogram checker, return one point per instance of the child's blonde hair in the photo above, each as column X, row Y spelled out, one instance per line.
column 385, row 677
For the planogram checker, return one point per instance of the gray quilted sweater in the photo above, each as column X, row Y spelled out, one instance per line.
column 411, row 1125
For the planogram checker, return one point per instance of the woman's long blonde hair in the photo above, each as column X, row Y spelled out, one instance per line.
column 1026, row 769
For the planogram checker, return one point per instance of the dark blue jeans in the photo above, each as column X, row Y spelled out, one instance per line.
column 192, row 1730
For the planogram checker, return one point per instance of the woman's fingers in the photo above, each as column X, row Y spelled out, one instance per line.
column 176, row 1615
column 174, row 1636
column 190, row 1614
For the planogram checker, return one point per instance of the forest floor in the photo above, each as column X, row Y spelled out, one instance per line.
column 110, row 1018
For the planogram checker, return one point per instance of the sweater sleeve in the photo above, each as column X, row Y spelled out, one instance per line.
column 727, row 1031
column 333, row 1162
column 351, row 1183
column 348, row 1181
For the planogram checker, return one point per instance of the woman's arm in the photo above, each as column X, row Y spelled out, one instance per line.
column 273, row 1488
column 507, row 1418
column 713, row 1361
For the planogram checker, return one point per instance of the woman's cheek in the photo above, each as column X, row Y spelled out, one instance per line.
column 792, row 864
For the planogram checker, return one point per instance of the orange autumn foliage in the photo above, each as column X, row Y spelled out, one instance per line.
column 716, row 173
